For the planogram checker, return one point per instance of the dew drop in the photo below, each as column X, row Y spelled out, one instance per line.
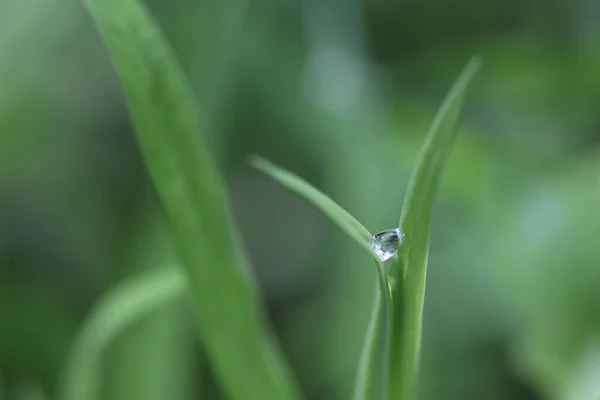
column 385, row 244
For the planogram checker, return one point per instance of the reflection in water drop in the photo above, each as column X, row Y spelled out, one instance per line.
column 386, row 243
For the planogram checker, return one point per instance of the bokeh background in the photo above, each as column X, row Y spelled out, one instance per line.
column 341, row 92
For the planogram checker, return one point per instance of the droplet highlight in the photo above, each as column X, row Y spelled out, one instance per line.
column 386, row 244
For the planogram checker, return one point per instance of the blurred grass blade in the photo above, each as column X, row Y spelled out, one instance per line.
column 371, row 380
column 411, row 266
column 29, row 389
column 337, row 214
column 231, row 320
column 116, row 311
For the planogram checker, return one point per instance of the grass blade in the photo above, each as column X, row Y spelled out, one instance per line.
column 117, row 310
column 372, row 377
column 228, row 310
column 411, row 266
column 337, row 214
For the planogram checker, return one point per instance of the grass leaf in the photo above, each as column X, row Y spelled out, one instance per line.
column 229, row 313
column 337, row 214
column 372, row 379
column 411, row 265
column 372, row 376
column 114, row 312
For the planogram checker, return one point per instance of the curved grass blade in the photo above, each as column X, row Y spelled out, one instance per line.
column 230, row 317
column 337, row 214
column 117, row 310
column 371, row 381
column 411, row 265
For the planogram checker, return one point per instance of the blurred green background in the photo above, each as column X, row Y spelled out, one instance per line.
column 341, row 93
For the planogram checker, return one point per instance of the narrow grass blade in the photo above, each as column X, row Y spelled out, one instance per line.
column 229, row 313
column 411, row 266
column 371, row 380
column 116, row 311
column 337, row 214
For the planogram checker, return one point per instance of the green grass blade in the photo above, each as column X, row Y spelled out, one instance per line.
column 117, row 310
column 371, row 380
column 229, row 313
column 30, row 389
column 337, row 214
column 411, row 266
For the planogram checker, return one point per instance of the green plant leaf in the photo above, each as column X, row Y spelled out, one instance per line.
column 114, row 312
column 371, row 382
column 337, row 214
column 372, row 377
column 410, row 267
column 229, row 313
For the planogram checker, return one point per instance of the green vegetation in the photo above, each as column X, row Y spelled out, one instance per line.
column 228, row 312
column 143, row 257
column 395, row 325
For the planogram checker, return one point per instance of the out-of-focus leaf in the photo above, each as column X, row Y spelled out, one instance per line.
column 156, row 357
column 231, row 321
column 29, row 389
column 114, row 313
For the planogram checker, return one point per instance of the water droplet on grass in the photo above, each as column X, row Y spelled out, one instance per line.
column 385, row 244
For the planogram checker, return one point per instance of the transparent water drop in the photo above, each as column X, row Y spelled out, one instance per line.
column 385, row 244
